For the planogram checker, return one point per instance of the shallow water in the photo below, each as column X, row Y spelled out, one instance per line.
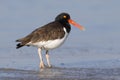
column 60, row 74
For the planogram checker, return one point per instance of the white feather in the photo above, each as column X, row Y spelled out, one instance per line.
column 50, row 44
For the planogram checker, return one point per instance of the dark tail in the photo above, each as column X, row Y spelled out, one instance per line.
column 19, row 45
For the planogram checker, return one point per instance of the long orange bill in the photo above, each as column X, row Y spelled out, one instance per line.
column 76, row 24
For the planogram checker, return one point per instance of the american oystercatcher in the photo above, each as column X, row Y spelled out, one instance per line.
column 49, row 36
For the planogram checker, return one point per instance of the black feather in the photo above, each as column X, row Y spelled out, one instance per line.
column 18, row 40
column 19, row 45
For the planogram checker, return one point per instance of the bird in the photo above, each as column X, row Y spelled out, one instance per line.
column 49, row 36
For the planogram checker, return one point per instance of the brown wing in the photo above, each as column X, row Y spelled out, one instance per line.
column 50, row 31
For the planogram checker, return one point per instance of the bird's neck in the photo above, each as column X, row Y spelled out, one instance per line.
column 66, row 25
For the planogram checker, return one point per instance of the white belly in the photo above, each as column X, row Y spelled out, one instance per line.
column 50, row 44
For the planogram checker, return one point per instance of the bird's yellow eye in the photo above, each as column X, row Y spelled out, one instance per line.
column 64, row 16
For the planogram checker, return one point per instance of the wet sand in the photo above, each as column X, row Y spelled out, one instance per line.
column 60, row 74
column 23, row 65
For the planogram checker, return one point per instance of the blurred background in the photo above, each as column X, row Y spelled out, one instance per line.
column 97, row 47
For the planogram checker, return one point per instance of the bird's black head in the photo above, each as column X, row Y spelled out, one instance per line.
column 63, row 17
column 65, row 20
